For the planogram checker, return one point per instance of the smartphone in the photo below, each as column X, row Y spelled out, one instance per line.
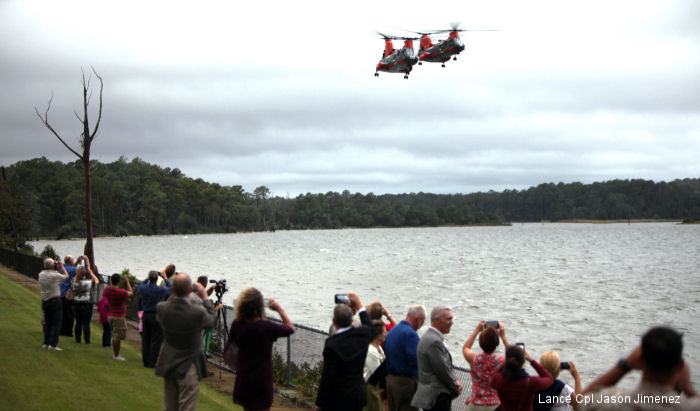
column 564, row 365
column 342, row 299
column 493, row 324
column 266, row 302
column 521, row 344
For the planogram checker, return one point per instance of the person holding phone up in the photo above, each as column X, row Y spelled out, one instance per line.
column 483, row 366
column 559, row 395
column 254, row 336
column 515, row 387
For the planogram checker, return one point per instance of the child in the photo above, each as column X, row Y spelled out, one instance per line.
column 103, row 308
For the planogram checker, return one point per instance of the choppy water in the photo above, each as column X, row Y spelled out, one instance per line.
column 587, row 291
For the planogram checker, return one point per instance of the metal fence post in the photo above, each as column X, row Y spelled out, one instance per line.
column 289, row 359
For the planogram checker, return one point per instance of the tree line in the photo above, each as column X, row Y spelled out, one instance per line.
column 133, row 197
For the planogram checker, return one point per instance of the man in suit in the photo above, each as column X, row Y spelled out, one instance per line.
column 181, row 362
column 342, row 385
column 437, row 385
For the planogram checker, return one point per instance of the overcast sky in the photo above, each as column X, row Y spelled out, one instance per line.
column 283, row 94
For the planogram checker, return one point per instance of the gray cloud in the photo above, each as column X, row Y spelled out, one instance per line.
column 539, row 102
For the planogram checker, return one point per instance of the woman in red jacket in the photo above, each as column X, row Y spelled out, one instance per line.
column 515, row 387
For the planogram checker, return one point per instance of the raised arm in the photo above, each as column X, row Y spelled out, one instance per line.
column 683, row 383
column 275, row 306
column 502, row 334
column 469, row 355
column 89, row 270
column 577, row 380
column 62, row 268
column 129, row 291
column 388, row 316
column 615, row 374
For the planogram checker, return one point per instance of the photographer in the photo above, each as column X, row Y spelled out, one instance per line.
column 515, row 387
column 559, row 395
column 49, row 281
column 71, row 268
column 152, row 337
column 483, row 366
column 117, row 311
column 254, row 336
column 82, row 284
column 220, row 286
column 665, row 381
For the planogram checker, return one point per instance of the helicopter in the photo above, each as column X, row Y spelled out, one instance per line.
column 397, row 61
column 444, row 49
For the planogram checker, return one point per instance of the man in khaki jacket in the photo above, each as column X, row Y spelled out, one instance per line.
column 181, row 362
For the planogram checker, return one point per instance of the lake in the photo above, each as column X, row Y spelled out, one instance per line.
column 588, row 291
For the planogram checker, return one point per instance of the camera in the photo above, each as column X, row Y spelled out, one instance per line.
column 220, row 287
column 493, row 324
column 342, row 299
column 564, row 365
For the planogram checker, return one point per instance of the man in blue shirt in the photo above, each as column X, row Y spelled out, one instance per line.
column 152, row 337
column 67, row 305
column 401, row 361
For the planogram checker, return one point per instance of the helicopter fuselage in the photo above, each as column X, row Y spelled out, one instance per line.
column 442, row 51
column 401, row 61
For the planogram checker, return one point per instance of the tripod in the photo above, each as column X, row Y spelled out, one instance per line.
column 221, row 319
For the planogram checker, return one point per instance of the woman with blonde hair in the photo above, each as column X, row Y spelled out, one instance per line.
column 82, row 308
column 254, row 336
column 559, row 395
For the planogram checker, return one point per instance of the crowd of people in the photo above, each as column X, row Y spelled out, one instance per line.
column 368, row 364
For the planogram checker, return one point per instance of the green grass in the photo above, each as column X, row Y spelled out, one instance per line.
column 81, row 377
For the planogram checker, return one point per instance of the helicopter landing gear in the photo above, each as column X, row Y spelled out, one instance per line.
column 376, row 74
column 454, row 58
column 443, row 64
column 420, row 63
column 405, row 76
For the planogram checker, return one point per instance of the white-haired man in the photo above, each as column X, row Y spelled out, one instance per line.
column 437, row 385
column 49, row 282
column 401, row 362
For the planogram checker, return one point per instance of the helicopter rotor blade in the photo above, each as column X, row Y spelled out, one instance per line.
column 388, row 37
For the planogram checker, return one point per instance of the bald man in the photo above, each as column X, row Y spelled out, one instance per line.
column 181, row 362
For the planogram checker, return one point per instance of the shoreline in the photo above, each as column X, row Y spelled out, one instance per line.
column 678, row 221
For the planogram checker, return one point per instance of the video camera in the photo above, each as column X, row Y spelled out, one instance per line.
column 220, row 287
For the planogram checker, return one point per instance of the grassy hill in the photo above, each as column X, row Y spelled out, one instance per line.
column 81, row 377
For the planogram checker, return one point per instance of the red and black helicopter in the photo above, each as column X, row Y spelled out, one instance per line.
column 402, row 61
column 443, row 50
column 397, row 61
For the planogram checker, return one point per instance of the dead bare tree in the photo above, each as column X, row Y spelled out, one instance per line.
column 86, row 138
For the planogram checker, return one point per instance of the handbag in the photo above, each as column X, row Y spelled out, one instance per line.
column 231, row 354
column 378, row 377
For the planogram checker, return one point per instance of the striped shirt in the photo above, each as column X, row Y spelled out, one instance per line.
column 117, row 301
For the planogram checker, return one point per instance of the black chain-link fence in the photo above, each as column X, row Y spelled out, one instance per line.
column 22, row 263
